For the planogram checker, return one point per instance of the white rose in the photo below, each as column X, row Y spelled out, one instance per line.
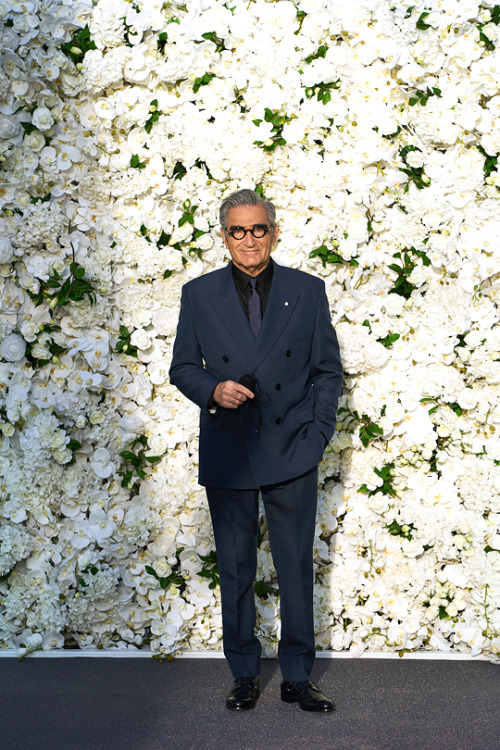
column 415, row 159
column 40, row 352
column 165, row 321
column 376, row 354
column 62, row 456
column 35, row 141
column 141, row 339
column 57, row 440
column 157, row 445
column 97, row 417
column 13, row 348
column 42, row 118
column 162, row 568
column 9, row 126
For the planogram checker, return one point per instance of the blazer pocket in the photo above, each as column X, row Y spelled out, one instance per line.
column 210, row 421
column 303, row 414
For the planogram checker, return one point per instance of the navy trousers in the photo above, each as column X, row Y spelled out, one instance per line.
column 290, row 510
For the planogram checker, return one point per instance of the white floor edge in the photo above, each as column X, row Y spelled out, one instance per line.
column 122, row 654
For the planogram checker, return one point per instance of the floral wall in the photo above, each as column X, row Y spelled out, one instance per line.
column 375, row 129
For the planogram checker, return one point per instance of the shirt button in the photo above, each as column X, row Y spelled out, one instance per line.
column 225, row 359
column 288, row 353
column 278, row 420
column 277, row 387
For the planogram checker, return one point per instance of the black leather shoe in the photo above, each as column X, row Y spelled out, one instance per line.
column 306, row 695
column 244, row 694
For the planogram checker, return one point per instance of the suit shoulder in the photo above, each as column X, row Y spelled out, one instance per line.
column 301, row 279
column 205, row 282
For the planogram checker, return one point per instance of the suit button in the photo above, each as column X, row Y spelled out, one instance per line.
column 277, row 387
column 288, row 353
column 278, row 420
column 225, row 359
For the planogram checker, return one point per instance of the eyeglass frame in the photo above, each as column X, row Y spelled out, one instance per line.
column 251, row 230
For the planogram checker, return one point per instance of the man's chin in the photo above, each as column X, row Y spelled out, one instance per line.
column 251, row 265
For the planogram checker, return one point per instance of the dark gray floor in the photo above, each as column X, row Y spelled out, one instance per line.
column 140, row 704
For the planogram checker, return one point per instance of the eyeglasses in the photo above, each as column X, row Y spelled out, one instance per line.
column 258, row 231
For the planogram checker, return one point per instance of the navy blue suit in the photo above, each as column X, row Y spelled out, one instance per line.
column 272, row 444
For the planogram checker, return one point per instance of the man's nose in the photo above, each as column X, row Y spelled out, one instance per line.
column 249, row 239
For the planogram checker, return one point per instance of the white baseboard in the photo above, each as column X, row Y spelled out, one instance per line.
column 144, row 654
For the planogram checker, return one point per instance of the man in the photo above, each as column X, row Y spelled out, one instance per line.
column 255, row 349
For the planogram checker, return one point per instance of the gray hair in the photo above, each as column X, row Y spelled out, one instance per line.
column 245, row 198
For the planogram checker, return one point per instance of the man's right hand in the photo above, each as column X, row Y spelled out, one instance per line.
column 230, row 394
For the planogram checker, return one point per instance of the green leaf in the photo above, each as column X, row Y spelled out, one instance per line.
column 28, row 127
column 211, row 36
column 390, row 339
column 421, row 22
column 136, row 163
column 80, row 44
column 263, row 589
column 162, row 41
column 179, row 171
column 203, row 80
column 128, row 455
column 320, row 52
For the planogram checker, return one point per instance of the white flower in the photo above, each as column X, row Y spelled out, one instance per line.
column 9, row 127
column 164, row 321
column 6, row 249
column 100, row 525
column 141, row 339
column 102, row 464
column 42, row 118
column 13, row 348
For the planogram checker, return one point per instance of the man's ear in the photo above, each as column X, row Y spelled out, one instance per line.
column 275, row 233
column 223, row 235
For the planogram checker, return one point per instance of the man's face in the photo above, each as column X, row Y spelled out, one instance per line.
column 249, row 254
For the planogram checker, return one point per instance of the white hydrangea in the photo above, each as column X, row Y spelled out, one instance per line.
column 15, row 545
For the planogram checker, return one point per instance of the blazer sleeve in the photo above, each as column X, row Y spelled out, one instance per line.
column 187, row 371
column 326, row 369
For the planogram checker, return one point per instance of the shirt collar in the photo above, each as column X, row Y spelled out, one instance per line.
column 263, row 278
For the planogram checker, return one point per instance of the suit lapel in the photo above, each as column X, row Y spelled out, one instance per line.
column 230, row 311
column 280, row 306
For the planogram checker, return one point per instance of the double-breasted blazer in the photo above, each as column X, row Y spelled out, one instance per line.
column 295, row 359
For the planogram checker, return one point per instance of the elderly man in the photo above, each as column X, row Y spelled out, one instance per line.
column 256, row 351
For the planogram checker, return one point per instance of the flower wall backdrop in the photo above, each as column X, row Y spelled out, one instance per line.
column 375, row 129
